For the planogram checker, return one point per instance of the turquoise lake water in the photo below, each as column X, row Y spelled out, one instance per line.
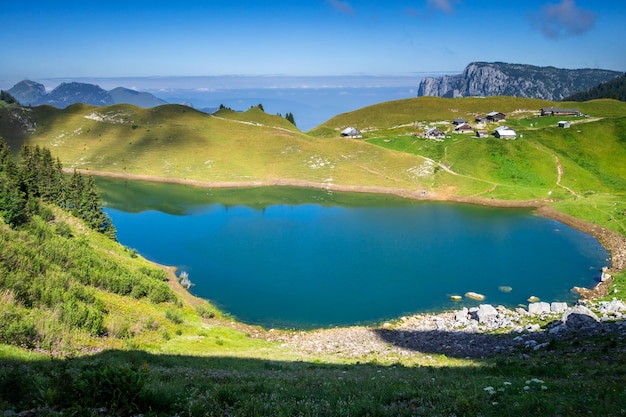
column 320, row 263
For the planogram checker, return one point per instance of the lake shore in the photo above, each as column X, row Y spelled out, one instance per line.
column 612, row 241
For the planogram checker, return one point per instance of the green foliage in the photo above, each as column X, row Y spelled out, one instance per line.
column 40, row 177
column 614, row 89
column 205, row 311
column 7, row 97
column 118, row 388
column 174, row 316
column 49, row 279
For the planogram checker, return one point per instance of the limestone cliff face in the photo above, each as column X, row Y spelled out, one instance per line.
column 518, row 80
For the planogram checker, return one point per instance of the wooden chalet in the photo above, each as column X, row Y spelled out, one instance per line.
column 434, row 133
column 459, row 121
column 505, row 132
column 556, row 111
column 564, row 124
column 495, row 116
column 482, row 133
column 464, row 128
column 351, row 132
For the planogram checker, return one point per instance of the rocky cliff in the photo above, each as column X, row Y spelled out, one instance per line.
column 518, row 80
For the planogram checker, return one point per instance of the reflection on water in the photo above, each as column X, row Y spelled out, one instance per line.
column 305, row 265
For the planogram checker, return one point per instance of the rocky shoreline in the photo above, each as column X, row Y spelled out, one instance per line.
column 467, row 333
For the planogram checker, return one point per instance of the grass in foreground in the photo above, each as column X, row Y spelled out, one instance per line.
column 578, row 377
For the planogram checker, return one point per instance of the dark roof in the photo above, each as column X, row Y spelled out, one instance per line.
column 559, row 110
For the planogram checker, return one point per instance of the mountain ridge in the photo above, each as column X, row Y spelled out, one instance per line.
column 517, row 80
column 32, row 93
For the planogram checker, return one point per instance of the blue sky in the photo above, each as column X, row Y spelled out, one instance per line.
column 49, row 39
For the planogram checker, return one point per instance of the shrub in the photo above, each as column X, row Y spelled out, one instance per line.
column 64, row 230
column 117, row 388
column 174, row 316
column 159, row 292
column 205, row 311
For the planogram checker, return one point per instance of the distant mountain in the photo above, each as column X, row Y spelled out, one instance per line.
column 616, row 89
column 29, row 92
column 70, row 93
column 138, row 98
column 517, row 80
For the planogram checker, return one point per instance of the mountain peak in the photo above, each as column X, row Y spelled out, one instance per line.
column 28, row 92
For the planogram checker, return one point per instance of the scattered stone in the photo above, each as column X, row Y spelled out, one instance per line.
column 560, row 328
column 461, row 315
column 474, row 296
column 533, row 327
column 505, row 288
column 613, row 306
column 486, row 313
column 539, row 308
column 556, row 307
column 456, row 297
column 580, row 317
column 533, row 299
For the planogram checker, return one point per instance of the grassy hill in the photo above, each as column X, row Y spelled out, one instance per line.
column 104, row 346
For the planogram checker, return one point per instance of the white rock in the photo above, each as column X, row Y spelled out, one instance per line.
column 557, row 307
column 540, row 307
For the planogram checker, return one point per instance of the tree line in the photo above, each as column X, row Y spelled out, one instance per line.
column 615, row 89
column 38, row 177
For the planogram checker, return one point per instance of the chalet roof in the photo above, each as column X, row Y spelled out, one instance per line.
column 350, row 131
column 505, row 133
column 464, row 126
column 434, row 131
column 459, row 120
column 559, row 110
column 494, row 113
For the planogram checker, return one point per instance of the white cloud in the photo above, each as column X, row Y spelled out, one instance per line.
column 341, row 6
column 563, row 19
column 446, row 6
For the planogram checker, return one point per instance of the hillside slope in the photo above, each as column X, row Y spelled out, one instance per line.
column 178, row 142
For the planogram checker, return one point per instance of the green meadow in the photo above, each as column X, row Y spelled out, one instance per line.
column 103, row 347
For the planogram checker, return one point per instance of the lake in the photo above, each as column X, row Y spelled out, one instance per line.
column 300, row 258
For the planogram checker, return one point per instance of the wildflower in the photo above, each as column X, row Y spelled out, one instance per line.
column 507, row 383
column 526, row 388
column 543, row 387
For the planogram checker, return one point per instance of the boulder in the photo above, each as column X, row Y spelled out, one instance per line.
column 558, row 307
column 613, row 306
column 540, row 307
column 580, row 317
column 486, row 313
column 461, row 315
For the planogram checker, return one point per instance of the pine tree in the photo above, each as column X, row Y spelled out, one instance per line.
column 13, row 204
